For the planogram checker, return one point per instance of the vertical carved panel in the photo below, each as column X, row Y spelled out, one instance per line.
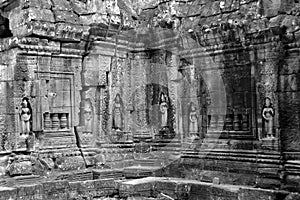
column 77, row 69
column 105, row 111
column 267, row 70
column 24, row 70
column 3, row 135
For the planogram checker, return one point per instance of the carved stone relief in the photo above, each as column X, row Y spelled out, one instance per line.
column 26, row 137
column 190, row 109
column 268, row 114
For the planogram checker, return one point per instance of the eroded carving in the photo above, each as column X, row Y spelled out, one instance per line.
column 268, row 114
column 118, row 114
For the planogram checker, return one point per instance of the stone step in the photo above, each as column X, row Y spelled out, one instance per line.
column 234, row 155
column 236, row 158
column 81, row 175
column 177, row 188
column 149, row 162
column 244, row 135
column 253, row 153
column 23, row 180
column 231, row 154
column 142, row 171
column 107, row 173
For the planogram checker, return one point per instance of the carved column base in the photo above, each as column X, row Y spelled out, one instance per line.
column 270, row 143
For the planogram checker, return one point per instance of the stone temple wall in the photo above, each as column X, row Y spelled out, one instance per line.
column 111, row 84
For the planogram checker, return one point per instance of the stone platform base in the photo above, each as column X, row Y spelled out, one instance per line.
column 144, row 188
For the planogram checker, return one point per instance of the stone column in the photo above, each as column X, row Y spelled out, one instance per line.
column 267, row 60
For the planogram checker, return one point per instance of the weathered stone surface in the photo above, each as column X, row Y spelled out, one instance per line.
column 22, row 17
column 191, row 76
column 20, row 166
column 65, row 16
column 71, row 163
column 68, row 32
column 294, row 196
column 271, row 8
column 62, row 5
column 36, row 4
column 79, row 7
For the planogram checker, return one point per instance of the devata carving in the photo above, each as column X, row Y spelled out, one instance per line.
column 163, row 105
column 88, row 116
column 105, row 114
column 25, row 117
column 193, row 119
column 268, row 114
column 118, row 113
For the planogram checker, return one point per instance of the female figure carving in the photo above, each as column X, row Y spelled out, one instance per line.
column 268, row 114
column 117, row 123
column 88, row 116
column 164, row 109
column 25, row 116
column 193, row 119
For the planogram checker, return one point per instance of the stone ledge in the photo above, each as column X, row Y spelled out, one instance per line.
column 177, row 188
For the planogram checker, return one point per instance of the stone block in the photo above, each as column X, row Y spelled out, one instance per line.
column 292, row 66
column 6, row 72
column 90, row 160
column 55, row 186
column 271, row 8
column 68, row 32
column 104, row 183
column 46, row 29
column 27, row 4
column 20, row 168
column 97, row 6
column 67, row 65
column 8, row 193
column 285, row 6
column 66, row 16
column 3, row 98
column 104, row 63
column 226, row 192
column 86, row 138
column 166, row 187
column 57, row 64
column 22, row 72
column 289, row 105
column 62, row 5
column 70, row 163
column 93, row 18
column 79, row 7
column 28, row 190
column 293, row 196
column 47, row 4
column 257, row 194
column 268, row 183
column 91, row 78
column 290, row 139
column 196, row 10
column 91, row 62
column 289, row 83
column 136, row 187
column 36, row 4
column 19, row 18
column 92, row 75
column 102, row 78
column 199, row 190
column 44, row 63
column 73, row 48
column 86, row 186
